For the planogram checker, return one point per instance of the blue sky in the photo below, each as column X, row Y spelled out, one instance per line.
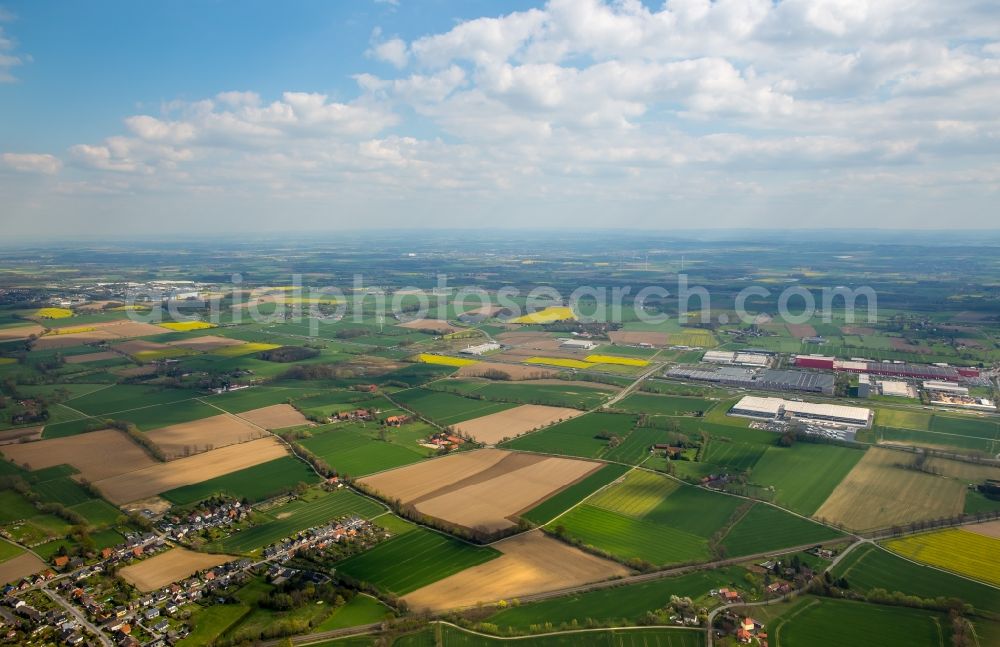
column 326, row 115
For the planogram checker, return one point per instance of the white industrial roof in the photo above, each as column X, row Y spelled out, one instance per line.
column 893, row 387
column 762, row 405
column 829, row 411
column 772, row 406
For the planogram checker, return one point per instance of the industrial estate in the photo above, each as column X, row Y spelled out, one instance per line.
column 297, row 459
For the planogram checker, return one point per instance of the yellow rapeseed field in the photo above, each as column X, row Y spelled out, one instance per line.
column 558, row 361
column 184, row 326
column 548, row 315
column 961, row 551
column 243, row 349
column 53, row 313
column 444, row 360
column 611, row 359
column 70, row 330
column 7, row 360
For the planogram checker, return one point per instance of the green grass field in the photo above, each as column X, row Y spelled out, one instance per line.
column 62, row 490
column 868, row 567
column 257, row 397
column 448, row 408
column 255, row 483
column 735, row 455
column 804, row 475
column 576, row 437
column 934, row 428
column 622, row 604
column 564, row 500
column 695, row 510
column 361, row 610
column 164, row 415
column 635, row 447
column 822, row 621
column 97, row 512
column 356, row 451
column 448, row 636
column 663, row 405
column 557, row 395
column 127, row 397
column 8, row 550
column 299, row 515
column 654, row 518
column 629, row 538
column 208, row 623
column 14, row 507
column 415, row 559
column 765, row 528
column 638, row 494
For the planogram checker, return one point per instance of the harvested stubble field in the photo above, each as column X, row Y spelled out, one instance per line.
column 12, row 436
column 626, row 337
column 91, row 357
column 205, row 343
column 160, row 477
column 20, row 332
column 203, row 435
column 410, row 483
column 106, row 331
column 514, row 422
column 276, row 416
column 530, row 563
column 989, row 529
column 168, row 567
column 528, row 339
column 437, row 325
column 471, row 500
column 19, row 567
column 97, row 455
column 515, row 371
column 878, row 493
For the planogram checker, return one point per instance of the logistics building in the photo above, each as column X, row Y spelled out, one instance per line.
column 780, row 409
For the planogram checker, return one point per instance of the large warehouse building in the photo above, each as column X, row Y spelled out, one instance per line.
column 779, row 409
column 739, row 358
column 767, row 380
column 887, row 369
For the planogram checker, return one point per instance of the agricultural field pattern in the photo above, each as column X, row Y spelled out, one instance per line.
column 296, row 458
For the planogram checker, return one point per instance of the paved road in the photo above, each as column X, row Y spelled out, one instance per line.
column 780, row 598
column 76, row 613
